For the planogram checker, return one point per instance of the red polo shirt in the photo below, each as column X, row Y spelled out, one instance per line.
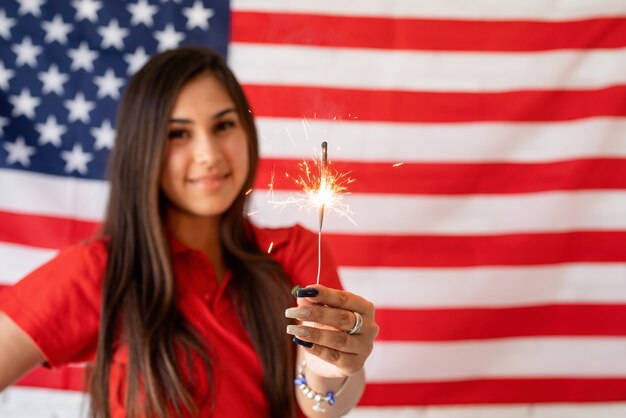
column 58, row 305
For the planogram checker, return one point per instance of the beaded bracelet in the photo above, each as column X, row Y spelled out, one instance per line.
column 300, row 382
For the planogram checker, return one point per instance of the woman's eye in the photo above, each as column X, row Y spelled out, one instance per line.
column 224, row 125
column 178, row 133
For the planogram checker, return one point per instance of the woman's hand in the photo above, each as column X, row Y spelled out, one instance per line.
column 325, row 316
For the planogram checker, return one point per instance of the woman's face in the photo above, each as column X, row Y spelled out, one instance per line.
column 206, row 159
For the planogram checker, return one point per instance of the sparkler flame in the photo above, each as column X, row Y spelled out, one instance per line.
column 322, row 188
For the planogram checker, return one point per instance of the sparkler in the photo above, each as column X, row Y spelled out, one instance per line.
column 320, row 191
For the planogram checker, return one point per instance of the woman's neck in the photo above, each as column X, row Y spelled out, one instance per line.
column 198, row 233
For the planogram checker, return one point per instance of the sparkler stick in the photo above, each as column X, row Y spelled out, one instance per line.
column 323, row 174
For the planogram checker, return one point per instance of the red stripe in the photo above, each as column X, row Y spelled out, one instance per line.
column 422, row 393
column 374, row 250
column 494, row 391
column 483, row 323
column 422, row 34
column 43, row 231
column 434, row 107
column 465, row 178
column 489, row 250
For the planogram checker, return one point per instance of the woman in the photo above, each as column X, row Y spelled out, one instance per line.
column 177, row 305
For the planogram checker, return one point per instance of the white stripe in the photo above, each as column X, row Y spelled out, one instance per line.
column 40, row 194
column 452, row 9
column 577, row 410
column 43, row 403
column 27, row 402
column 451, row 215
column 376, row 69
column 462, row 142
column 488, row 286
column 17, row 261
column 505, row 358
column 433, row 287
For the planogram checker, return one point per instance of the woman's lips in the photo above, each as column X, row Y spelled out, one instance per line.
column 208, row 182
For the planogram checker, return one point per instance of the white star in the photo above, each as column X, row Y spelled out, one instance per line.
column 5, row 75
column 53, row 80
column 30, row 6
column 113, row 35
column 109, row 85
column 57, row 30
column 19, row 152
column 83, row 57
column 26, row 52
column 136, row 60
column 168, row 38
column 24, row 104
column 50, row 132
column 79, row 108
column 142, row 13
column 105, row 135
column 77, row 159
column 6, row 23
column 87, row 9
column 197, row 16
column 3, row 122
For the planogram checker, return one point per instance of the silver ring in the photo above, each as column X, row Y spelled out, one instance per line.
column 357, row 325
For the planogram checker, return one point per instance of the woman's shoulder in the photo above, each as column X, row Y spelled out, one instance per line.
column 85, row 258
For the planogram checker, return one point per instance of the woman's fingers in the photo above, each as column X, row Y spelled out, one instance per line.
column 327, row 315
column 341, row 299
column 346, row 352
column 339, row 319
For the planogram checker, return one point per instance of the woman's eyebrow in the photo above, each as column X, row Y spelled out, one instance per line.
column 223, row 112
column 215, row 116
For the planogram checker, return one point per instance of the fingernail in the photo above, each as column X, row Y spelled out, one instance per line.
column 297, row 313
column 299, row 331
column 302, row 343
column 294, row 290
column 308, row 292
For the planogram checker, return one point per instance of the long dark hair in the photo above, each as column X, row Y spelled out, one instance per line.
column 139, row 292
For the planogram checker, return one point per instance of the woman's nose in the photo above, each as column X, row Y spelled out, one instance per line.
column 206, row 150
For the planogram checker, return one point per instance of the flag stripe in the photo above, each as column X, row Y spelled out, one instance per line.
column 544, row 410
column 404, row 251
column 467, row 251
column 454, row 399
column 473, row 214
column 529, row 357
column 486, row 323
column 480, row 9
column 44, row 231
column 351, row 140
column 407, row 288
column 452, row 178
column 404, row 70
column 403, row 106
column 494, row 391
column 19, row 260
column 422, row 34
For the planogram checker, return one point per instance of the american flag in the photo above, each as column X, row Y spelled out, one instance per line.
column 488, row 144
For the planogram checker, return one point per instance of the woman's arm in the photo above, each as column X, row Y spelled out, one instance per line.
column 18, row 353
column 345, row 401
column 335, row 337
